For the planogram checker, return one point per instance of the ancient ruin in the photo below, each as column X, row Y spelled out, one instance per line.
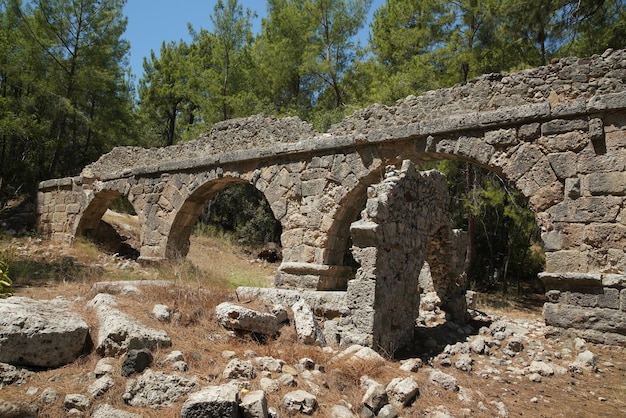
column 558, row 133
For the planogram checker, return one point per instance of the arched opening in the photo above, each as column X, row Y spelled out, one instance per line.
column 110, row 221
column 225, row 227
column 513, row 241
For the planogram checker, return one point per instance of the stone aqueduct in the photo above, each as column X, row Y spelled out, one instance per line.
column 558, row 133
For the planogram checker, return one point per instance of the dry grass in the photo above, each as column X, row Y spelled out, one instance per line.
column 205, row 279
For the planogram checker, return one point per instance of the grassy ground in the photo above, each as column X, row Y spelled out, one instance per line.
column 206, row 278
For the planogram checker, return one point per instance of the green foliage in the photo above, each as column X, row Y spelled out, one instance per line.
column 65, row 95
column 5, row 281
column 505, row 240
column 243, row 212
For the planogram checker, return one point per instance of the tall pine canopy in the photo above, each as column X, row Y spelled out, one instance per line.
column 65, row 96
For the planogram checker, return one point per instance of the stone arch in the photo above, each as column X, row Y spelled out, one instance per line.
column 91, row 225
column 186, row 216
column 97, row 205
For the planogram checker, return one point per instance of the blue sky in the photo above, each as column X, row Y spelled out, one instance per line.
column 166, row 20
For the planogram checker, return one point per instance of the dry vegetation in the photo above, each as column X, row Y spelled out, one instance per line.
column 207, row 277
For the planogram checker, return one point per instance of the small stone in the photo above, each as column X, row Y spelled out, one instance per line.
column 534, row 399
column 161, row 312
column 76, row 401
column 100, row 386
column 105, row 366
column 411, row 365
column 300, row 401
column 136, row 361
column 388, row 411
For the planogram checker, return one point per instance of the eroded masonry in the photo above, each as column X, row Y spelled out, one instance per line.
column 558, row 133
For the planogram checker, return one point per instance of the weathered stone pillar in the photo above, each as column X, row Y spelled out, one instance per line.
column 390, row 243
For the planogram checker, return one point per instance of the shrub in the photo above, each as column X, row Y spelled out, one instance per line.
column 5, row 282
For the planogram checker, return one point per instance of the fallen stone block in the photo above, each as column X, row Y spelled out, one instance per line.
column 254, row 405
column 213, row 401
column 40, row 333
column 307, row 327
column 300, row 401
column 119, row 333
column 243, row 319
column 157, row 389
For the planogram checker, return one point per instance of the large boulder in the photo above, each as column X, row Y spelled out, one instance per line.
column 243, row 319
column 118, row 333
column 40, row 333
column 212, row 401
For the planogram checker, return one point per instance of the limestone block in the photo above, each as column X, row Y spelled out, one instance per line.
column 563, row 164
column 586, row 210
column 254, row 405
column 596, row 129
column 300, row 401
column 402, row 392
column 566, row 260
column 529, row 131
column 572, row 188
column 360, row 293
column 609, row 298
column 107, row 411
column 605, row 235
column 522, row 160
column 606, row 183
column 562, row 142
column 375, row 397
column 213, row 401
column 240, row 318
column 557, row 126
column 597, row 319
column 118, row 333
column 501, row 137
column 614, row 280
column 307, row 327
column 40, row 333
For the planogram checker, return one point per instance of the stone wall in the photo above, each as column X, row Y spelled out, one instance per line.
column 391, row 242
column 556, row 133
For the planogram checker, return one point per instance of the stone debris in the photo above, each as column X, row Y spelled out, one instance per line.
column 300, row 401
column 212, row 401
column 158, row 389
column 40, row 333
column 254, row 405
column 238, row 318
column 507, row 350
column 101, row 386
column 307, row 327
column 107, row 411
column 118, row 333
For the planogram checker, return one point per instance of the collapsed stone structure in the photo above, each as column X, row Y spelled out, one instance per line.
column 556, row 133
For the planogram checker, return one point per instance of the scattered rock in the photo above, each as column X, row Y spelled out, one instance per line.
column 157, row 389
column 118, row 333
column 18, row 409
column 239, row 369
column 40, row 333
column 307, row 327
column 107, row 411
column 136, row 361
column 402, row 392
column 239, row 318
column 213, row 401
column 161, row 312
column 300, row 401
column 254, row 405
column 100, row 386
column 76, row 401
column 105, row 366
column 375, row 397
column 443, row 380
